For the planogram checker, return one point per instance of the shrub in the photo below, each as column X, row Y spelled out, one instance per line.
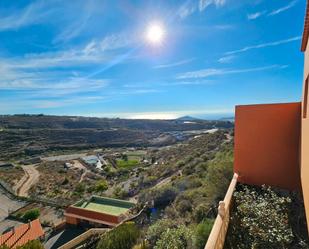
column 164, row 196
column 175, row 238
column 33, row 244
column 161, row 196
column 180, row 164
column 219, row 174
column 142, row 245
column 200, row 212
column 31, row 214
column 101, row 186
column 202, row 232
column 120, row 193
column 183, row 205
column 122, row 237
column 157, row 229
column 80, row 188
column 260, row 220
column 65, row 181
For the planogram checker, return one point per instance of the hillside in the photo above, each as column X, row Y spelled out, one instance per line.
column 29, row 135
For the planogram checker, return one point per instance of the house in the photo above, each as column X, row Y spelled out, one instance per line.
column 92, row 161
column 22, row 234
column 98, row 211
column 271, row 147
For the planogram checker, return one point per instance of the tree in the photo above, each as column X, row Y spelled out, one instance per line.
column 101, row 186
column 122, row 237
column 31, row 214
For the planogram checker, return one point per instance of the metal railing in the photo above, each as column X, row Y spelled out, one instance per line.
column 218, row 233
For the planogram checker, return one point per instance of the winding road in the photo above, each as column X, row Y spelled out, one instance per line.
column 30, row 178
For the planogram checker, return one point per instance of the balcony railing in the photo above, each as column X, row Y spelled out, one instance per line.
column 218, row 233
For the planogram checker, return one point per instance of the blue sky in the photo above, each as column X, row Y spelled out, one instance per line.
column 91, row 57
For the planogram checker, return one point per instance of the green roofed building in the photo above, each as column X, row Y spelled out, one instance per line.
column 98, row 211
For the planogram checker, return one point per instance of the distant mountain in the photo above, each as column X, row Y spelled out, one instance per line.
column 231, row 119
column 188, row 118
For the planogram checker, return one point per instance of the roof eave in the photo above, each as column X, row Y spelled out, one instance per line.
column 306, row 30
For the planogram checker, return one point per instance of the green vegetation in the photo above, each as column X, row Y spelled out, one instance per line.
column 33, row 244
column 156, row 230
column 31, row 214
column 80, row 188
column 262, row 219
column 101, row 186
column 122, row 237
column 200, row 173
column 202, row 232
column 175, row 238
column 121, row 163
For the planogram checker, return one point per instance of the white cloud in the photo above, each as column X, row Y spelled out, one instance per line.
column 204, row 73
column 226, row 59
column 94, row 52
column 203, row 4
column 175, row 64
column 264, row 45
column 190, row 7
column 256, row 15
column 34, row 13
column 186, row 9
column 76, row 25
column 282, row 9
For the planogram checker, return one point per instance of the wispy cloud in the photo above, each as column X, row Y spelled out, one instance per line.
column 226, row 59
column 203, row 4
column 94, row 52
column 73, row 30
column 186, row 9
column 175, row 64
column 282, row 9
column 255, row 15
column 190, row 7
column 264, row 45
column 43, row 73
column 34, row 13
column 204, row 73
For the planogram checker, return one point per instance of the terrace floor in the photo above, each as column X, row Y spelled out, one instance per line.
column 105, row 205
column 104, row 208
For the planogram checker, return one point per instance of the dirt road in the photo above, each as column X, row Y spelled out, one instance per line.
column 31, row 178
column 76, row 164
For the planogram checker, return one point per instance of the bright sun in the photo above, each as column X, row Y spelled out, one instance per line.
column 155, row 33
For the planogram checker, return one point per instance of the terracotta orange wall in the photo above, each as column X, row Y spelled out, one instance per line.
column 267, row 144
column 305, row 143
column 71, row 220
column 93, row 215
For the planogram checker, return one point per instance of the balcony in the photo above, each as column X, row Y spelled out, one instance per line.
column 259, row 217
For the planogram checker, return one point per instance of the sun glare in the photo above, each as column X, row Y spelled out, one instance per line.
column 155, row 33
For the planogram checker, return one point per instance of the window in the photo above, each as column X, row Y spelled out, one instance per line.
column 305, row 104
